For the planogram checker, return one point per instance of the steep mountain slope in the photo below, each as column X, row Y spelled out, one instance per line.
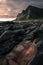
column 31, row 12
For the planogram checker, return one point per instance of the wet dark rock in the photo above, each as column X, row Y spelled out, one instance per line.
column 11, row 34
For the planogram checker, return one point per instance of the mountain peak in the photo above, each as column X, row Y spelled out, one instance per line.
column 31, row 12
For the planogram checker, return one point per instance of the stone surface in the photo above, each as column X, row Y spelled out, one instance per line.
column 21, row 43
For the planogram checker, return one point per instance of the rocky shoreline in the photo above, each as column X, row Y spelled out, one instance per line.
column 12, row 34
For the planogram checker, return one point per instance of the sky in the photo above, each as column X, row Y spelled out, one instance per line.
column 10, row 8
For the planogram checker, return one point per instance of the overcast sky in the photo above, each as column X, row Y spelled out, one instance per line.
column 11, row 8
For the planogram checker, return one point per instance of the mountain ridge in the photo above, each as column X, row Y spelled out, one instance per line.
column 31, row 12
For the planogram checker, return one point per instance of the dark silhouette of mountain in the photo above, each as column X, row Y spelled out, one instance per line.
column 31, row 12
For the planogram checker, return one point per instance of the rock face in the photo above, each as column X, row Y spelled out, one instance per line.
column 21, row 43
column 31, row 12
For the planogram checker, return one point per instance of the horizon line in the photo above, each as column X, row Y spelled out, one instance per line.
column 7, row 19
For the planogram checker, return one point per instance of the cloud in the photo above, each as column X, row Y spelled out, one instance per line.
column 11, row 8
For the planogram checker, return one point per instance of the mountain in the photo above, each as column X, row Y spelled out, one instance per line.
column 31, row 12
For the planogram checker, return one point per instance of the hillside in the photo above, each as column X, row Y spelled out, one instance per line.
column 31, row 12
